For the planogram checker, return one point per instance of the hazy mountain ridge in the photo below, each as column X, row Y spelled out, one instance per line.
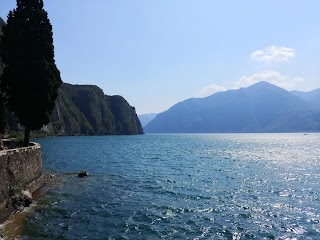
column 312, row 97
column 262, row 107
column 146, row 118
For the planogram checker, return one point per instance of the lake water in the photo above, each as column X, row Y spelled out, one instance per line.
column 181, row 186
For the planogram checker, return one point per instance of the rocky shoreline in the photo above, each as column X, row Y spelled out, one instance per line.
column 13, row 226
column 1, row 232
column 21, row 176
column 11, row 222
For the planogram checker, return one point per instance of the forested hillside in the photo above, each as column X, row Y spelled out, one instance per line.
column 85, row 110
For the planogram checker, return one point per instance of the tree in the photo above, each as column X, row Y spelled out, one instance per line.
column 30, row 79
column 3, row 120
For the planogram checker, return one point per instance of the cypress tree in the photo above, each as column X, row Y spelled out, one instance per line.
column 3, row 120
column 30, row 79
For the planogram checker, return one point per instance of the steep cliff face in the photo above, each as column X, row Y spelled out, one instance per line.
column 85, row 110
column 126, row 119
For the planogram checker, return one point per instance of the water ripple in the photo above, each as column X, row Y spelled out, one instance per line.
column 205, row 186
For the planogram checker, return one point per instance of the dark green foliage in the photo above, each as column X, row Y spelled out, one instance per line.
column 110, row 115
column 66, row 118
column 3, row 121
column 125, row 116
column 30, row 78
column 85, row 110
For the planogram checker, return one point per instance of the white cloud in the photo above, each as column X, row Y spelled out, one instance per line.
column 211, row 89
column 298, row 79
column 273, row 54
column 272, row 77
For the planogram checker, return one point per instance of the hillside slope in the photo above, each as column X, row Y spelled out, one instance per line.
column 85, row 110
column 262, row 107
column 312, row 97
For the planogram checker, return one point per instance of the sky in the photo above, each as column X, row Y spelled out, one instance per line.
column 156, row 53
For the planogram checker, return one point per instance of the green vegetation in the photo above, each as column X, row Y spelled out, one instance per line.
column 81, row 110
column 30, row 79
column 3, row 122
column 85, row 110
column 125, row 118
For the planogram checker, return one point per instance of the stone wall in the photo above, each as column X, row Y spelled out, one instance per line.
column 20, row 169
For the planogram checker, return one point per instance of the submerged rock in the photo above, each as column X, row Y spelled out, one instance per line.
column 82, row 174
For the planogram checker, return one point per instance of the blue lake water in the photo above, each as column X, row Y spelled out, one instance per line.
column 181, row 186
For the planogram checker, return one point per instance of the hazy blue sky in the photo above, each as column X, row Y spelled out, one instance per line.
column 156, row 53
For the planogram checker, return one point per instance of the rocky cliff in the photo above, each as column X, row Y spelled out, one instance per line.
column 86, row 110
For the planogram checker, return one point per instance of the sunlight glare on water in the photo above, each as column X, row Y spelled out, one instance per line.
column 184, row 186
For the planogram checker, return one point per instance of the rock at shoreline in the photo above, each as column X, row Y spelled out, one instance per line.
column 22, row 200
column 1, row 232
column 2, row 147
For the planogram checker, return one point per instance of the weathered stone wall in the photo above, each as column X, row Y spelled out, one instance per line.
column 20, row 169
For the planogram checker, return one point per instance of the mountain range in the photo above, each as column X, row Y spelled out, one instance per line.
column 262, row 107
column 312, row 97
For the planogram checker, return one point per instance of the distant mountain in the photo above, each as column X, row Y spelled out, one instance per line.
column 312, row 97
column 262, row 107
column 146, row 118
column 85, row 110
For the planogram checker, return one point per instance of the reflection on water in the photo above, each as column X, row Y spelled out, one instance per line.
column 191, row 186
